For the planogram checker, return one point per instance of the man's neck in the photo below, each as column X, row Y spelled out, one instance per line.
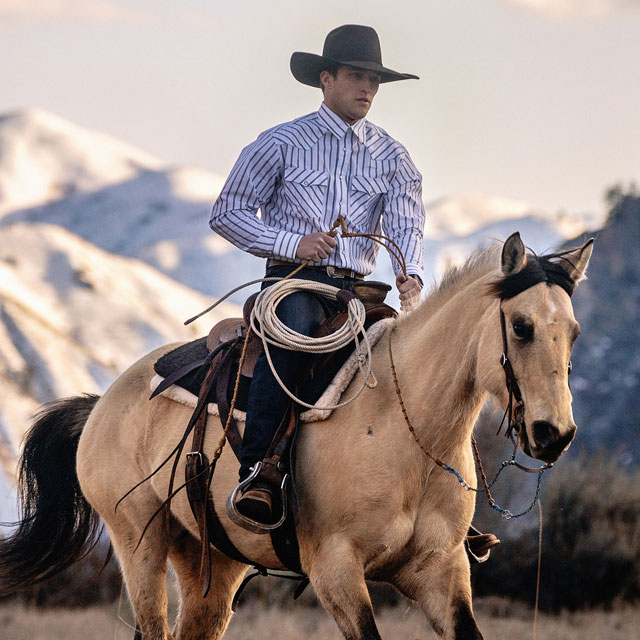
column 344, row 119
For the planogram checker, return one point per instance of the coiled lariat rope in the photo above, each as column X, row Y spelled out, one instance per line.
column 266, row 324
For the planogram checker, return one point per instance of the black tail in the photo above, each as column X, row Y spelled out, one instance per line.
column 58, row 525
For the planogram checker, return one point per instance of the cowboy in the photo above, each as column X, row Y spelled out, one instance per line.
column 302, row 175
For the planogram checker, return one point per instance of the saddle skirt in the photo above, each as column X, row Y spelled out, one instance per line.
column 230, row 329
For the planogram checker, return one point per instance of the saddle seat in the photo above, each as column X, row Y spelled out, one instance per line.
column 229, row 329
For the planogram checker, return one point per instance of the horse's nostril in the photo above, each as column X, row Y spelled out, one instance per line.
column 544, row 434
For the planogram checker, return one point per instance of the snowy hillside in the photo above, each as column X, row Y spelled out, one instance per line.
column 160, row 217
column 45, row 158
column 73, row 317
column 469, row 214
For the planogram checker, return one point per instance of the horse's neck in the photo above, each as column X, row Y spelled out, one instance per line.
column 436, row 360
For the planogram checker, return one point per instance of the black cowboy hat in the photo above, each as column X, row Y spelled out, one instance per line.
column 352, row 45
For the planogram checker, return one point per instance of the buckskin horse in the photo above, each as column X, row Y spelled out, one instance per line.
column 372, row 505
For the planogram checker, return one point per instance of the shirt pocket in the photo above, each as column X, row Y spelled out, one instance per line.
column 367, row 199
column 306, row 191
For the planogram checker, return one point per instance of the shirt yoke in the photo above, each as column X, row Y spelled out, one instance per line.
column 303, row 132
column 382, row 146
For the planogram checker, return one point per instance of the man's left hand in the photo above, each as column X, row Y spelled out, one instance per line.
column 409, row 289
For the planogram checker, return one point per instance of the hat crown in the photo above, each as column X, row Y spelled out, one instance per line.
column 353, row 42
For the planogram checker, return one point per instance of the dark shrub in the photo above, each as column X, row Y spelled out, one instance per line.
column 590, row 544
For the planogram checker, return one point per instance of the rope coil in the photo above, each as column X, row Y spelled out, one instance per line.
column 266, row 324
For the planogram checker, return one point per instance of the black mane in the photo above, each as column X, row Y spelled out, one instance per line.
column 553, row 268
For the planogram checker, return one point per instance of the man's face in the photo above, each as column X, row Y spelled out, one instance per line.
column 350, row 94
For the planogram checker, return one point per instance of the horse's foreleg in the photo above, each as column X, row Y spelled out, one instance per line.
column 203, row 618
column 441, row 585
column 145, row 571
column 338, row 578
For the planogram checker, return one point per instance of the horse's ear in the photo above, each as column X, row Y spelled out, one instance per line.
column 514, row 256
column 575, row 262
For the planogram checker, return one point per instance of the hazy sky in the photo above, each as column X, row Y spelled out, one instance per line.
column 537, row 100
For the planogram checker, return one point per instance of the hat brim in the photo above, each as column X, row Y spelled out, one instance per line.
column 306, row 68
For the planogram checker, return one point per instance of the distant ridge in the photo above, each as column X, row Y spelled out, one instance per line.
column 44, row 157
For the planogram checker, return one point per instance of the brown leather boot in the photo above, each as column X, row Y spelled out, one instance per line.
column 479, row 544
column 256, row 502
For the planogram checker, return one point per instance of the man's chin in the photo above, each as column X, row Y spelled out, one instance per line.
column 360, row 112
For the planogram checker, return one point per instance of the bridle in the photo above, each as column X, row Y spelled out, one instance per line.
column 514, row 412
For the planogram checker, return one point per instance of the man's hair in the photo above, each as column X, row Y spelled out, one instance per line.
column 332, row 68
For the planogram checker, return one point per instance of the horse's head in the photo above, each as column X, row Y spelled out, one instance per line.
column 535, row 330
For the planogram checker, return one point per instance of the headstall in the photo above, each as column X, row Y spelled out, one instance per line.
column 514, row 412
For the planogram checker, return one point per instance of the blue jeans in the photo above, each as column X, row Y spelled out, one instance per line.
column 303, row 312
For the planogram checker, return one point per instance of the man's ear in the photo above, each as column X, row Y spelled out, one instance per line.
column 325, row 77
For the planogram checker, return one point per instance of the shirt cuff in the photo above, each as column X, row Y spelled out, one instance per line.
column 417, row 277
column 286, row 245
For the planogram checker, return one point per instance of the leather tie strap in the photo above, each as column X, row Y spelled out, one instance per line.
column 196, row 477
column 222, row 398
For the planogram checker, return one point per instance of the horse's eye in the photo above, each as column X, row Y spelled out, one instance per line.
column 522, row 330
column 570, row 367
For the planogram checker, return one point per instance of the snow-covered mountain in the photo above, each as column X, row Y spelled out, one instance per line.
column 160, row 217
column 44, row 158
column 467, row 215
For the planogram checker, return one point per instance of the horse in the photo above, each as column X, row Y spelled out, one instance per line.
column 372, row 505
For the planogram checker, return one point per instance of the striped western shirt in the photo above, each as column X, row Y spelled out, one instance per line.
column 302, row 174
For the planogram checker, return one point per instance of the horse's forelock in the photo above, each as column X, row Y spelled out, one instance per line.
column 553, row 268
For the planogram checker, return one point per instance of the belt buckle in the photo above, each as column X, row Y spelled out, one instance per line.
column 331, row 272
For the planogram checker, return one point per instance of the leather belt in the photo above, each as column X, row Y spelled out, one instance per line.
column 332, row 272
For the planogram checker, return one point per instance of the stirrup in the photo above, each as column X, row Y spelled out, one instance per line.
column 248, row 523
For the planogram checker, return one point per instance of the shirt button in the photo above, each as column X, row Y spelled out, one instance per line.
column 305, row 183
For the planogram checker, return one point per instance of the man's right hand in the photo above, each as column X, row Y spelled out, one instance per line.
column 316, row 246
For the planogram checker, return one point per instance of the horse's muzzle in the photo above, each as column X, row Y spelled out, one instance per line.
column 548, row 443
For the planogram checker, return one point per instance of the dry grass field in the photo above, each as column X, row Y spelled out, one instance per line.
column 498, row 619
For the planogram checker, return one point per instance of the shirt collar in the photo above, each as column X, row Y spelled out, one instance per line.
column 338, row 126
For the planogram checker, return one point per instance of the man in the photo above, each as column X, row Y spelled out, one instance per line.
column 302, row 175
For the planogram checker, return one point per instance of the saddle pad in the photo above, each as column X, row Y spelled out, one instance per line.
column 330, row 396
column 181, row 356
